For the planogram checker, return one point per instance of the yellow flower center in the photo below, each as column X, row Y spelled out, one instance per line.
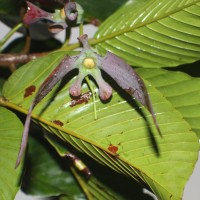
column 89, row 63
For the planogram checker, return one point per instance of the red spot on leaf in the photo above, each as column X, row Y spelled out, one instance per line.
column 29, row 91
column 113, row 148
column 58, row 122
column 84, row 98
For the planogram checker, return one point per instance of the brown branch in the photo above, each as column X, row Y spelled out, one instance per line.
column 7, row 60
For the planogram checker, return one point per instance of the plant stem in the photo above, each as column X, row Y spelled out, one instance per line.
column 67, row 38
column 93, row 97
column 82, row 184
column 16, row 58
column 65, row 44
column 81, row 29
column 9, row 34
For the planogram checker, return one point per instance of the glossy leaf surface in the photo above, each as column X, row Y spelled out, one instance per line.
column 153, row 33
column 173, row 86
column 10, row 138
column 124, row 129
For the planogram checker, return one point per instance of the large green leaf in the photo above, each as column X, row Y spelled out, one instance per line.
column 100, row 9
column 100, row 184
column 181, row 90
column 46, row 176
column 123, row 129
column 49, row 175
column 10, row 138
column 153, row 33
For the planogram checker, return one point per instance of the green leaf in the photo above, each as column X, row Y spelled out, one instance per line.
column 123, row 129
column 100, row 9
column 1, row 85
column 10, row 138
column 153, row 33
column 181, row 90
column 46, row 176
column 103, row 183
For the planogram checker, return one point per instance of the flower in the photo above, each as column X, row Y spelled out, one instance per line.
column 88, row 62
column 57, row 21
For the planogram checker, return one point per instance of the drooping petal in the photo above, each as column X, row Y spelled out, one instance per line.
column 35, row 14
column 128, row 79
column 75, row 89
column 56, row 75
column 66, row 65
column 24, row 139
column 105, row 90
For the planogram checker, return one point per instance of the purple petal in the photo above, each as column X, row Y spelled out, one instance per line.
column 128, row 79
column 35, row 14
column 75, row 89
column 105, row 90
column 71, row 11
column 24, row 140
column 56, row 75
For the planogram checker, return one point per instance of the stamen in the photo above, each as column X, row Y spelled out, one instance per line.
column 89, row 63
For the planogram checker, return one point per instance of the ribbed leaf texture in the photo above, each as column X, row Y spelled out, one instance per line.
column 124, row 136
column 181, row 90
column 153, row 33
column 46, row 176
column 96, row 189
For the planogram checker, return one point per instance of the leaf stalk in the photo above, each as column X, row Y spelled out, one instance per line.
column 9, row 34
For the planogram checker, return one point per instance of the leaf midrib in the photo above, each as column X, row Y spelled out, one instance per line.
column 139, row 25
column 48, row 123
